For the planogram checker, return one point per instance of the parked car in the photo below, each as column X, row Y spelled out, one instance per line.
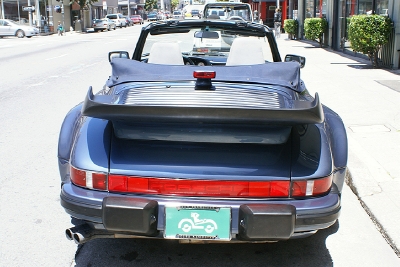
column 177, row 15
column 234, row 151
column 137, row 19
column 128, row 21
column 161, row 16
column 195, row 13
column 152, row 16
column 10, row 28
column 104, row 24
column 119, row 20
column 228, row 11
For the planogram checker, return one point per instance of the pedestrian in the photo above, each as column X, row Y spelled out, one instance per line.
column 278, row 22
column 256, row 18
column 60, row 29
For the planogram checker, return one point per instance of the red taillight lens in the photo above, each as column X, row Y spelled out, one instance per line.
column 92, row 180
column 314, row 187
column 204, row 74
column 205, row 188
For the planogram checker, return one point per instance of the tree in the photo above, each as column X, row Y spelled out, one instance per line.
column 368, row 33
column 84, row 3
column 150, row 5
column 174, row 4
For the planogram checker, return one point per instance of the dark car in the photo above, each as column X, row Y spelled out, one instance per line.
column 152, row 16
column 238, row 151
column 195, row 13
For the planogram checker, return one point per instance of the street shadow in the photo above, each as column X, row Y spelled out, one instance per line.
column 310, row 251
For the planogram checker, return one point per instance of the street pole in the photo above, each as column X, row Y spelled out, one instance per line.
column 2, row 9
column 62, row 12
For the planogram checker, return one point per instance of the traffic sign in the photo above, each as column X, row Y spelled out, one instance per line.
column 28, row 8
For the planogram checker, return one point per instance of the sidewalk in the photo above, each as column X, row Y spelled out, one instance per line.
column 368, row 100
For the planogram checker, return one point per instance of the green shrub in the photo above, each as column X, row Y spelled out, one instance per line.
column 314, row 29
column 367, row 34
column 291, row 26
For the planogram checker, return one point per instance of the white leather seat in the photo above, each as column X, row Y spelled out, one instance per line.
column 165, row 53
column 245, row 51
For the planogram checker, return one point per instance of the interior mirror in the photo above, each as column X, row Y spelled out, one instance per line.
column 206, row 34
column 119, row 54
column 300, row 59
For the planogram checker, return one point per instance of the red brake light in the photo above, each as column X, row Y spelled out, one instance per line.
column 204, row 188
column 204, row 74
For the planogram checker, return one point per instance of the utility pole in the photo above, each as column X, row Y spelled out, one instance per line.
column 62, row 13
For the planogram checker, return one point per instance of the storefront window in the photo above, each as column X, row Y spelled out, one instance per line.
column 310, row 9
column 365, row 7
column 316, row 8
column 382, row 7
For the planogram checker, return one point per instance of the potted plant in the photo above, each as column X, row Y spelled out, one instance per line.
column 314, row 29
column 291, row 27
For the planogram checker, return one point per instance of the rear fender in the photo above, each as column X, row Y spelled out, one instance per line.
column 91, row 148
column 339, row 145
column 66, row 138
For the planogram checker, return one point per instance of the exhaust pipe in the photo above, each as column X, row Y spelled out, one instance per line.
column 83, row 233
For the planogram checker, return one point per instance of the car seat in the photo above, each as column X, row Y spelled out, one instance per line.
column 165, row 53
column 245, row 51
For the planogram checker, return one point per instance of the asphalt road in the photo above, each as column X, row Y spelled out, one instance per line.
column 40, row 80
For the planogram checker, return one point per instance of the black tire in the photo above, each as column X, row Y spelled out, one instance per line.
column 20, row 34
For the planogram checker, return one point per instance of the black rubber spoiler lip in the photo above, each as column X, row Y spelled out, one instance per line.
column 302, row 112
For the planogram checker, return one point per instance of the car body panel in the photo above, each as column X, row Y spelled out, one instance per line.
column 157, row 139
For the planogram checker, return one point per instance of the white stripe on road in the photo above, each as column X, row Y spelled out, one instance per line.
column 51, row 58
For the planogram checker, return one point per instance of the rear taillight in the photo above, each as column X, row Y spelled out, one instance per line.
column 305, row 188
column 204, row 188
column 92, row 180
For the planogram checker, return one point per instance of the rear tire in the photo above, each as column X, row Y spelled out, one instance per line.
column 20, row 34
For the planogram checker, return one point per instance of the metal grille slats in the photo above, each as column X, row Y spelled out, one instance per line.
column 185, row 96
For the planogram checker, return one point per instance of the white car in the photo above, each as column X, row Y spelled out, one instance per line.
column 178, row 15
column 10, row 28
column 120, row 21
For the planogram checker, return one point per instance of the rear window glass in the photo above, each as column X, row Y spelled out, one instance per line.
column 112, row 16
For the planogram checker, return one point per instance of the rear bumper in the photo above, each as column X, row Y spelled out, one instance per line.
column 251, row 220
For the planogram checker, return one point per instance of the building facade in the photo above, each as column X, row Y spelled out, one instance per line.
column 337, row 13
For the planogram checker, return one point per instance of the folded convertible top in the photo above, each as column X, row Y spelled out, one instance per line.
column 277, row 73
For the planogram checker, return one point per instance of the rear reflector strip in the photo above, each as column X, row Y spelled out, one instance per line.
column 205, row 188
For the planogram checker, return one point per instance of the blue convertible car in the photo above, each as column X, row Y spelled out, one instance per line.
column 202, row 135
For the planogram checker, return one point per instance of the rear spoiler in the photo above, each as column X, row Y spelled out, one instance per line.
column 300, row 112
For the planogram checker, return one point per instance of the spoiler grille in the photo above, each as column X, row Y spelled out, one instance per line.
column 179, row 96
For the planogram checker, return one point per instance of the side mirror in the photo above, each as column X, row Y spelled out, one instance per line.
column 300, row 59
column 119, row 54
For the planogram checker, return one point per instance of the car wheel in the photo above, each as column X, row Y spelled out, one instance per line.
column 115, row 28
column 20, row 34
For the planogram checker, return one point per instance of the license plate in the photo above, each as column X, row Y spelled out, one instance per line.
column 207, row 223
